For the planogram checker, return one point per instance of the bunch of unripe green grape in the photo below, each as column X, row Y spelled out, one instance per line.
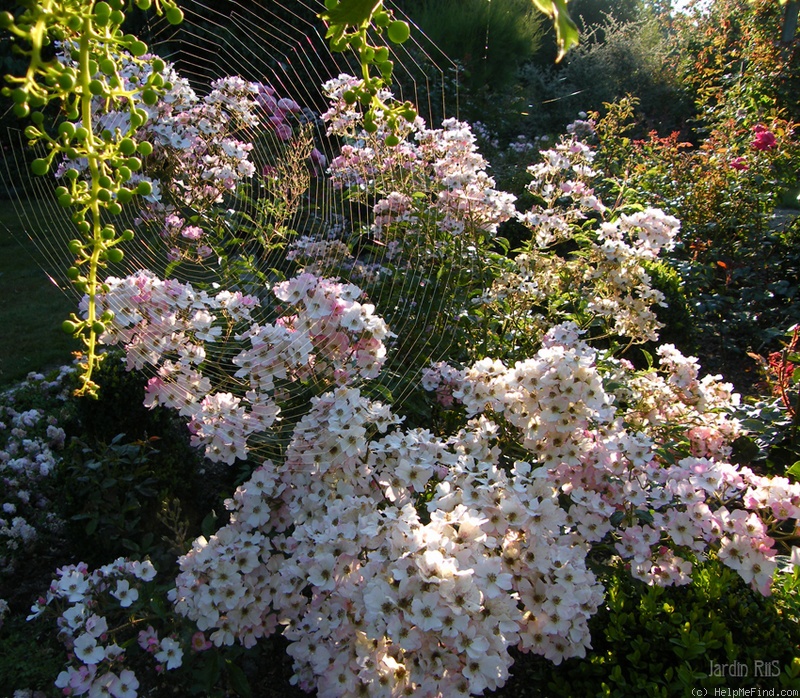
column 90, row 34
column 349, row 23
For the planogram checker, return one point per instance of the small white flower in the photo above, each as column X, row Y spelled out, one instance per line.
column 144, row 570
column 170, row 654
column 87, row 650
column 124, row 594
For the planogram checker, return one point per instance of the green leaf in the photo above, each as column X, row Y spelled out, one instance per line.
column 208, row 673
column 128, row 544
column 351, row 12
column 794, row 470
column 238, row 680
column 566, row 30
column 209, row 524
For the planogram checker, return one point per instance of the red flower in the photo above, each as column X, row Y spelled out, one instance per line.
column 739, row 163
column 764, row 139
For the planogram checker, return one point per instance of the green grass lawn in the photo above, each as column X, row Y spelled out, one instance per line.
column 33, row 257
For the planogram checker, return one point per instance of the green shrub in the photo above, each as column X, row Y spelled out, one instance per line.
column 130, row 477
column 30, row 657
column 655, row 641
column 490, row 39
column 630, row 59
column 679, row 326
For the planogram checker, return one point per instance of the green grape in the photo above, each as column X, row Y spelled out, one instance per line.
column 143, row 4
column 75, row 246
column 386, row 69
column 66, row 129
column 114, row 255
column 118, row 17
column 69, row 327
column 37, row 117
column 104, row 195
column 398, row 32
column 144, row 188
column 174, row 15
column 96, row 87
column 105, row 181
column 149, row 97
column 124, row 195
column 98, row 327
column 145, row 148
column 114, row 208
column 40, row 166
column 66, row 81
column 73, row 273
column 127, row 146
column 138, row 48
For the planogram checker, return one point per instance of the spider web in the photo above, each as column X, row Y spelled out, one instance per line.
column 281, row 44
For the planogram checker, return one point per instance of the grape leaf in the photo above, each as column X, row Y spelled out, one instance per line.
column 351, row 12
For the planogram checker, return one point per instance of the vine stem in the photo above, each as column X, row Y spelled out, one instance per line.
column 90, row 338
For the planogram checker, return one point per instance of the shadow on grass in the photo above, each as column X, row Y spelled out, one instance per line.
column 33, row 258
